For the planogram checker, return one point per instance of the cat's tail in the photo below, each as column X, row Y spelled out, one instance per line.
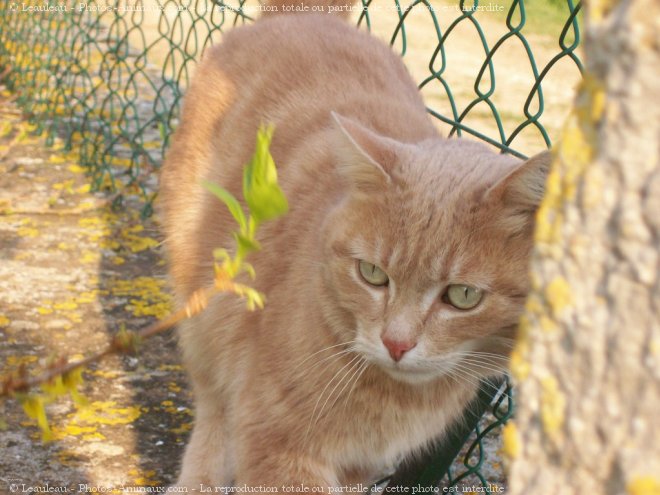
column 341, row 8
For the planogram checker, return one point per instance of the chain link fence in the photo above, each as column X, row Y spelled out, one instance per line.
column 108, row 78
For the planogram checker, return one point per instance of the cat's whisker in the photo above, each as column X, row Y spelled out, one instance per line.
column 321, row 395
column 330, row 358
column 480, row 381
column 353, row 364
column 322, row 350
column 353, row 369
column 504, row 341
column 480, row 354
column 459, row 380
column 361, row 370
column 470, row 372
column 484, row 363
column 483, row 372
column 457, row 370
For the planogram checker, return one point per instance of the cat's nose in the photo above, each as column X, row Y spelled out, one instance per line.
column 397, row 348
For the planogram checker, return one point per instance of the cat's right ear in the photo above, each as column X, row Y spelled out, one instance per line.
column 521, row 190
column 362, row 155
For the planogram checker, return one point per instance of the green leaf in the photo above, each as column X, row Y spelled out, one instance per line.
column 54, row 387
column 229, row 200
column 245, row 244
column 254, row 299
column 262, row 193
column 34, row 407
column 72, row 380
column 221, row 254
column 249, row 269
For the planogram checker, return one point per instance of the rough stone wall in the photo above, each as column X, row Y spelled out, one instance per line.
column 587, row 361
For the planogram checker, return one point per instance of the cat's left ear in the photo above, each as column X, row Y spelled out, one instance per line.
column 363, row 156
column 523, row 187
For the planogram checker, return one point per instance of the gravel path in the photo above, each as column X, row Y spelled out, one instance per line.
column 72, row 273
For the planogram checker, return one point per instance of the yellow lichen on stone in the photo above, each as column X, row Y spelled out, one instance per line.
column 143, row 478
column 548, row 325
column 598, row 9
column 591, row 101
column 76, row 169
column 89, row 297
column 654, row 347
column 519, row 362
column 110, row 375
column 576, row 152
column 511, row 443
column 4, row 321
column 644, row 485
column 533, row 305
column 94, row 437
column 183, row 428
column 16, row 361
column 553, row 404
column 136, row 243
column 148, row 297
column 66, row 186
column 27, row 232
column 579, row 138
column 549, row 217
column 558, row 295
column 66, row 305
column 118, row 260
column 90, row 257
column 170, row 367
column 73, row 430
column 107, row 413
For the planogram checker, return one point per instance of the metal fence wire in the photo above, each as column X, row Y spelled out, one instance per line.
column 108, row 78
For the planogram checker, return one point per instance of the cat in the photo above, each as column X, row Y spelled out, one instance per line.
column 393, row 284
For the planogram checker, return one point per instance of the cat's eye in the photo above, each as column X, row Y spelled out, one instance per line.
column 463, row 296
column 373, row 274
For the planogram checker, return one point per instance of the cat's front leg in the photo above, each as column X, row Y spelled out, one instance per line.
column 206, row 459
column 273, row 468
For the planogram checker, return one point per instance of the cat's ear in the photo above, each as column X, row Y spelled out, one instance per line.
column 522, row 189
column 362, row 155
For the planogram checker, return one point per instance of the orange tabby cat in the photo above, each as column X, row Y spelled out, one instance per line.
column 393, row 284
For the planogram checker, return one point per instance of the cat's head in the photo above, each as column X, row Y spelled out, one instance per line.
column 425, row 267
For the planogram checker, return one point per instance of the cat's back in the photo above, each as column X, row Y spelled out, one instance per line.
column 291, row 71
column 308, row 60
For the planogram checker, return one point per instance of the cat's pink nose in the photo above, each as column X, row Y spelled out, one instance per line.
column 397, row 348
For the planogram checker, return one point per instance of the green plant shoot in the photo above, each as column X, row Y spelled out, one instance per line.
column 265, row 201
